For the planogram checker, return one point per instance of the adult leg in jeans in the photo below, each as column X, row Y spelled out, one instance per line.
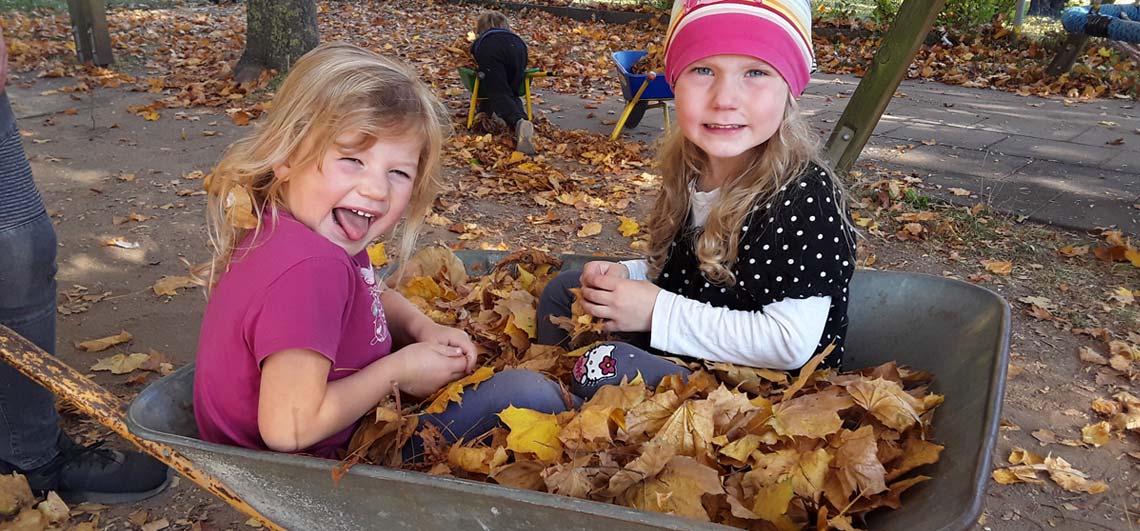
column 29, row 424
column 31, row 441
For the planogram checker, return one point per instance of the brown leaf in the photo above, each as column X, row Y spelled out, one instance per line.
column 678, row 489
column 814, row 415
column 169, row 285
column 857, row 461
column 998, row 267
column 96, row 345
column 887, row 401
column 121, row 363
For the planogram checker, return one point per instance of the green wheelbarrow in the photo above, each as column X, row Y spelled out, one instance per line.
column 470, row 79
column 957, row 331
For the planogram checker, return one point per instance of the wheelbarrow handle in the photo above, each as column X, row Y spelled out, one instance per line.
column 100, row 404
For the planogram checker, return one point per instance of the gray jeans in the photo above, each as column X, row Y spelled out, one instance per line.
column 29, row 424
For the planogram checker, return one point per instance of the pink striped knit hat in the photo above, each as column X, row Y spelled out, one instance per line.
column 775, row 31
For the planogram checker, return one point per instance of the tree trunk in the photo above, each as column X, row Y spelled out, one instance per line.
column 1046, row 8
column 277, row 33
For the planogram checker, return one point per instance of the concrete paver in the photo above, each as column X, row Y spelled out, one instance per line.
column 1071, row 164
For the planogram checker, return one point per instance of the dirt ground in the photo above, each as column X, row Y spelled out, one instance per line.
column 95, row 162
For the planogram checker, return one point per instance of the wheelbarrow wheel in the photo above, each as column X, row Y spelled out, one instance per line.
column 636, row 113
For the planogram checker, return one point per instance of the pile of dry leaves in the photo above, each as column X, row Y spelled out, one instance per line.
column 20, row 511
column 734, row 445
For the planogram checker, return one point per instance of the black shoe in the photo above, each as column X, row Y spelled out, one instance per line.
column 98, row 475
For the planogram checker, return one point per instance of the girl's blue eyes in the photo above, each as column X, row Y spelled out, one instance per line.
column 705, row 71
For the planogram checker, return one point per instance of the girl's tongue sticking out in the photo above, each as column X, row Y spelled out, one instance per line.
column 354, row 222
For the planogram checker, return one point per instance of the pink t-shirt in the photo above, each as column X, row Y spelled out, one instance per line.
column 292, row 289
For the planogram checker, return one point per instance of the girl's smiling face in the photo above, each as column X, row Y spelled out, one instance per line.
column 354, row 195
column 727, row 105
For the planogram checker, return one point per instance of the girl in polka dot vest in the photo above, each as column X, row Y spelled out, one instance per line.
column 751, row 250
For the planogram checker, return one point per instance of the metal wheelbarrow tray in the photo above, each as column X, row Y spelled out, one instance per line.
column 958, row 331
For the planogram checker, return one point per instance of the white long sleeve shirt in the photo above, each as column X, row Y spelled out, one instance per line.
column 783, row 335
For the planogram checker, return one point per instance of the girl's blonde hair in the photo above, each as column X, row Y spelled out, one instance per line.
column 333, row 89
column 490, row 20
column 772, row 165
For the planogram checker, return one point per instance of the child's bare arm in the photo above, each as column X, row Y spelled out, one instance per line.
column 298, row 407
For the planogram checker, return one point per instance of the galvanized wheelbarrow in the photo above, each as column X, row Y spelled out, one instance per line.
column 958, row 331
column 641, row 91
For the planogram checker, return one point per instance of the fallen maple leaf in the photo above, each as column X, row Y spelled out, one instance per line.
column 454, row 391
column 121, row 363
column 104, row 343
column 532, row 432
column 998, row 267
column 169, row 285
column 588, row 229
column 628, row 227
column 1097, row 434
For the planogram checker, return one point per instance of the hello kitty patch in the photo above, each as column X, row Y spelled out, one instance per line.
column 379, row 321
column 596, row 365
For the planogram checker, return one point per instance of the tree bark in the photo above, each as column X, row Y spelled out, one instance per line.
column 278, row 32
column 1046, row 8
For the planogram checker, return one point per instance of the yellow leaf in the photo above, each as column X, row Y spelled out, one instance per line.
column 1133, row 256
column 1016, row 474
column 151, row 115
column 1097, row 434
column 516, row 157
column 532, row 432
column 169, row 285
column 454, row 390
column 1070, row 251
column 121, row 363
column 628, row 227
column 96, row 345
column 477, row 460
column 740, row 449
column 377, row 255
column 590, row 229
column 423, row 287
column 772, row 504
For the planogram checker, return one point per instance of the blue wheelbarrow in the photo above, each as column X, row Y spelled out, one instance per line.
column 957, row 331
column 641, row 91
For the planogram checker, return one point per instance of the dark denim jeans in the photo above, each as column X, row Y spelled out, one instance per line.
column 29, row 424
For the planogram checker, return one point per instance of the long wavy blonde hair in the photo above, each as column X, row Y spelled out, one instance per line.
column 772, row 165
column 333, row 89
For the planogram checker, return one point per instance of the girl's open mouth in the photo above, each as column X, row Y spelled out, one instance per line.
column 354, row 222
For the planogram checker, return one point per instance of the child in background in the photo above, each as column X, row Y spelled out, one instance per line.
column 750, row 249
column 299, row 338
column 502, row 59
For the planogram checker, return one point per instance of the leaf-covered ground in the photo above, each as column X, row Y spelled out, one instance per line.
column 120, row 154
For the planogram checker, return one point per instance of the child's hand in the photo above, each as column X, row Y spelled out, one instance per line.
column 600, row 268
column 423, row 368
column 626, row 305
column 452, row 337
